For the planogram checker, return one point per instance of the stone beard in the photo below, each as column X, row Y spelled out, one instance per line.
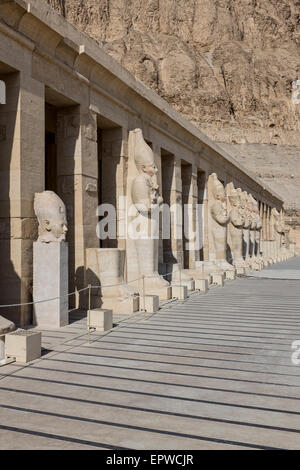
column 51, row 214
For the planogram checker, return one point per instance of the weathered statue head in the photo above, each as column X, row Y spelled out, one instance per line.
column 218, row 189
column 51, row 214
column 234, row 198
column 143, row 155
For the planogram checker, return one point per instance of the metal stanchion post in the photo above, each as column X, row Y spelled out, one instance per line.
column 144, row 300
column 89, row 309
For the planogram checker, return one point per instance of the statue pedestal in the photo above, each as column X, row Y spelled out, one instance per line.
column 6, row 326
column 130, row 305
column 24, row 345
column 201, row 285
column 240, row 271
column 190, row 285
column 150, row 303
column 179, row 292
column 100, row 319
column 105, row 268
column 50, row 280
column 230, row 275
column 218, row 279
column 164, row 293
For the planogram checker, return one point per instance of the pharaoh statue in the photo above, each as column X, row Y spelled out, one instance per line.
column 218, row 219
column 257, row 249
column 286, row 237
column 146, row 199
column 235, row 226
column 254, row 227
column 105, row 268
column 247, row 224
column 50, row 261
column 51, row 214
column 278, row 230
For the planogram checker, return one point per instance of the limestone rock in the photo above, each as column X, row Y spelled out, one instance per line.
column 228, row 66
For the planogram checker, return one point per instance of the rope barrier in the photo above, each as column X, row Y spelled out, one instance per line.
column 120, row 284
column 78, row 291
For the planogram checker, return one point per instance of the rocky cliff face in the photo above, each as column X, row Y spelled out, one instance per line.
column 227, row 65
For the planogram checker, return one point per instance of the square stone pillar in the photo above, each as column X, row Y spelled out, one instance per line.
column 202, row 216
column 114, row 155
column 21, row 175
column 157, row 158
column 190, row 198
column 77, row 172
column 50, row 281
column 176, row 214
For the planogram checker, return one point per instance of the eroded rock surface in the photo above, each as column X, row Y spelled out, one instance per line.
column 227, row 65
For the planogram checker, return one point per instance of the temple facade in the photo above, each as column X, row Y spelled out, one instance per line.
column 69, row 119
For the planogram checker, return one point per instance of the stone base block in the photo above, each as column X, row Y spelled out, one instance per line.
column 240, row 271
column 218, row 279
column 164, row 293
column 150, row 304
column 50, row 281
column 130, row 305
column 179, row 292
column 229, row 275
column 2, row 348
column 6, row 326
column 190, row 285
column 24, row 345
column 202, row 285
column 100, row 319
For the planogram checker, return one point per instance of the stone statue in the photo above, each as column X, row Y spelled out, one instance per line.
column 256, row 225
column 145, row 196
column 235, row 227
column 50, row 262
column 279, row 232
column 51, row 214
column 218, row 218
column 105, row 267
column 247, row 224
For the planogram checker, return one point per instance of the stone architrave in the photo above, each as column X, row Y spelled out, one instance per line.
column 218, row 219
column 235, row 226
column 143, row 196
column 105, row 268
column 50, row 262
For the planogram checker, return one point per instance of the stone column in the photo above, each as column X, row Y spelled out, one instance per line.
column 176, row 217
column 157, row 158
column 77, row 167
column 22, row 131
column 189, row 201
column 114, row 143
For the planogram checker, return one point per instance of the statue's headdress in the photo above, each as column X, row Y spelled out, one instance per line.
column 143, row 154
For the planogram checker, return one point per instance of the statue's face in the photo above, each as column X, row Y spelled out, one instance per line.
column 150, row 170
column 221, row 195
column 57, row 225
